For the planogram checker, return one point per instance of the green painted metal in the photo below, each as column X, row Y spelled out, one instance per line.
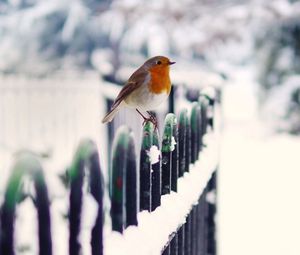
column 188, row 144
column 175, row 156
column 85, row 149
column 145, row 167
column 85, row 159
column 118, row 178
column 124, row 195
column 170, row 121
column 195, row 131
column 147, row 139
column 132, row 194
column 182, row 140
column 26, row 164
column 156, row 175
column 168, row 146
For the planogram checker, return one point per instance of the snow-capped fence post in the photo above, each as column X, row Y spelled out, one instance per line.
column 145, row 167
column 27, row 164
column 156, row 173
column 86, row 157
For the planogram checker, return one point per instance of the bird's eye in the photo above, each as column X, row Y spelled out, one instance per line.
column 158, row 62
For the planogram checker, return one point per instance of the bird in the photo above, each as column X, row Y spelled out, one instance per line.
column 145, row 90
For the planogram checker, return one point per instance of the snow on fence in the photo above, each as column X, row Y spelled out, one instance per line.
column 166, row 205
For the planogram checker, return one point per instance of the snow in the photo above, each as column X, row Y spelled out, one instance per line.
column 154, row 154
column 276, row 106
column 59, row 226
column 89, row 215
column 173, row 143
column 26, row 228
column 258, row 179
column 68, row 33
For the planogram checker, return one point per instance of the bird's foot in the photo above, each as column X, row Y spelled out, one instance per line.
column 153, row 119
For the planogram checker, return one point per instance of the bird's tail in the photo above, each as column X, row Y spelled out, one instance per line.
column 111, row 114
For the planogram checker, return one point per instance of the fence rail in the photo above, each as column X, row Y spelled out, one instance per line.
column 133, row 188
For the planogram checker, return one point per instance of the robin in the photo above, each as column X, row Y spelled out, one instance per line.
column 146, row 88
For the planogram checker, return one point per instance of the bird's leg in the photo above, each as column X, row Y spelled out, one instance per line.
column 152, row 118
column 145, row 119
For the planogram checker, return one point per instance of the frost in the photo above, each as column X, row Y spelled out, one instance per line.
column 89, row 216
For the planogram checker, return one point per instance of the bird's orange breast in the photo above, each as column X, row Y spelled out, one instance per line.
column 160, row 80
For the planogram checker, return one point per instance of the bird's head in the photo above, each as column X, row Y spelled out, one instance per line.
column 158, row 63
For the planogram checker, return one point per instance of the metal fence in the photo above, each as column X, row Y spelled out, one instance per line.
column 132, row 187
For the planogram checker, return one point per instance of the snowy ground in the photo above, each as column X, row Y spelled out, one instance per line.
column 258, row 181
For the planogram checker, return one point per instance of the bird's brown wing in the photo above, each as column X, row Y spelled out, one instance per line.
column 135, row 81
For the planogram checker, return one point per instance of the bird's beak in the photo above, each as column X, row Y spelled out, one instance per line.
column 172, row 63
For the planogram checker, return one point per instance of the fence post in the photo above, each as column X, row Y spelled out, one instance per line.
column 203, row 104
column 181, row 240
column 168, row 145
column 86, row 155
column 97, row 191
column 156, row 174
column 132, row 193
column 124, row 181
column 182, row 141
column 27, row 164
column 187, row 145
column 211, row 226
column 145, row 167
column 175, row 156
column 195, row 131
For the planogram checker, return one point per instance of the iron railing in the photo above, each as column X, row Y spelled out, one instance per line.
column 132, row 187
